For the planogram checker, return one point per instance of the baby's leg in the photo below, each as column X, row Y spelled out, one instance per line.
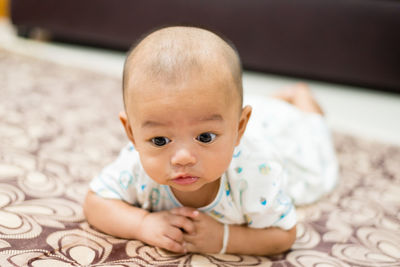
column 305, row 147
column 301, row 97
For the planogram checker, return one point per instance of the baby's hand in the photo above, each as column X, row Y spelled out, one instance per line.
column 208, row 234
column 164, row 229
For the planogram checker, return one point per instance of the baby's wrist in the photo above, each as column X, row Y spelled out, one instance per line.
column 141, row 225
column 225, row 239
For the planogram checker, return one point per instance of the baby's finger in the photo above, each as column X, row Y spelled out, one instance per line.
column 175, row 234
column 183, row 223
column 185, row 211
column 171, row 245
column 189, row 239
column 189, row 247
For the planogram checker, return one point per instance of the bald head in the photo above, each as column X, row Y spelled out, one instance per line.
column 174, row 54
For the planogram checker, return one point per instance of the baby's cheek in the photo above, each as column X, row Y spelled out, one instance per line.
column 221, row 165
column 154, row 168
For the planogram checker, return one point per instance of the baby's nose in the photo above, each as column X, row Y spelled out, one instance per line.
column 183, row 157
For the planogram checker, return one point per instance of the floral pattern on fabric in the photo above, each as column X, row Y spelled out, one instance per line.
column 59, row 127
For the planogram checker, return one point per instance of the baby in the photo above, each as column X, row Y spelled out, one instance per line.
column 191, row 179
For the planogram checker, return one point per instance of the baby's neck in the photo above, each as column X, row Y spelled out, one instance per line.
column 199, row 198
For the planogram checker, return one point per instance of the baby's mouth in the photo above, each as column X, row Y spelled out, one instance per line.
column 185, row 180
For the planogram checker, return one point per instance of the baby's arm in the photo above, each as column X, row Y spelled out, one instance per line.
column 118, row 218
column 267, row 241
column 208, row 238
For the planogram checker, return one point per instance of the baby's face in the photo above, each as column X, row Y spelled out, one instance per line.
column 185, row 134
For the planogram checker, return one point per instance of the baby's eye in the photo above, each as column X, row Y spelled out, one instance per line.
column 160, row 140
column 206, row 137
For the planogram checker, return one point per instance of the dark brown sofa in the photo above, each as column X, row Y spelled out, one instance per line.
column 345, row 41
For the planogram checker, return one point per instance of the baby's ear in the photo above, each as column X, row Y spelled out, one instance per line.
column 244, row 119
column 128, row 129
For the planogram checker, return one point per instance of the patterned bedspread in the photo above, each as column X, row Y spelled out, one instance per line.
column 59, row 126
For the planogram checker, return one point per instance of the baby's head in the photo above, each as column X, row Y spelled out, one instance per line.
column 173, row 54
column 183, row 105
